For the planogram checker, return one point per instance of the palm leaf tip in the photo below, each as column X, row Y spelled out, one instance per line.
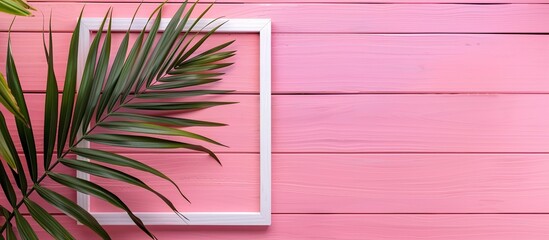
column 16, row 7
column 24, row 126
column 8, row 100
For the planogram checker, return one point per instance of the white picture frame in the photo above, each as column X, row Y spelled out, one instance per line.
column 263, row 217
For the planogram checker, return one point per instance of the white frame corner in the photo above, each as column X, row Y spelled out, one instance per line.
column 261, row 218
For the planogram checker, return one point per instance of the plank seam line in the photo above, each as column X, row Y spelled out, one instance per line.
column 420, row 213
column 343, row 153
column 406, row 153
column 302, row 2
column 39, row 92
column 373, row 214
column 339, row 33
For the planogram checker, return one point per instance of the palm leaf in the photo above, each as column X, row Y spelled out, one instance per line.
column 51, row 105
column 197, row 45
column 6, row 143
column 67, row 101
column 131, row 141
column 15, row 7
column 166, row 106
column 179, row 94
column 110, row 173
column 8, row 151
column 24, row 126
column 166, row 121
column 25, row 4
column 10, row 234
column 71, row 209
column 48, row 223
column 23, row 227
column 189, row 77
column 136, row 71
column 177, row 51
column 99, row 78
column 148, row 128
column 86, row 85
column 7, row 188
column 114, row 74
column 143, row 74
column 124, row 78
column 165, row 43
column 8, row 100
column 100, row 192
column 182, row 84
column 119, row 160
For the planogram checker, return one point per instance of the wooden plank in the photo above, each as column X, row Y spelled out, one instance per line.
column 343, row 18
column 354, row 63
column 411, row 123
column 236, row 183
column 358, row 183
column 350, row 227
column 234, row 187
column 349, row 63
column 242, row 76
column 410, row 183
column 30, row 60
column 245, row 123
column 419, row 123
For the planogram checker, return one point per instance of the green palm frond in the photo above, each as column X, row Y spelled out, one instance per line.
column 16, row 7
column 129, row 96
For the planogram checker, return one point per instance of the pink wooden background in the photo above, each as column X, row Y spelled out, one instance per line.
column 420, row 119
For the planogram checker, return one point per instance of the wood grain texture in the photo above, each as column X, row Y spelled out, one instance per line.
column 411, row 123
column 348, row 156
column 32, row 67
column 246, row 125
column 410, row 183
column 210, row 187
column 410, row 63
column 330, row 18
column 400, row 123
column 344, row 183
column 233, row 187
column 350, row 227
column 351, row 63
column 349, row 183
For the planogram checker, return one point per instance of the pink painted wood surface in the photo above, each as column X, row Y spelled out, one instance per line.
column 350, row 183
column 233, row 187
column 332, row 18
column 351, row 227
column 410, row 183
column 339, row 153
column 245, row 125
column 32, row 67
column 211, row 187
column 411, row 123
column 376, row 123
column 422, row 63
column 351, row 63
